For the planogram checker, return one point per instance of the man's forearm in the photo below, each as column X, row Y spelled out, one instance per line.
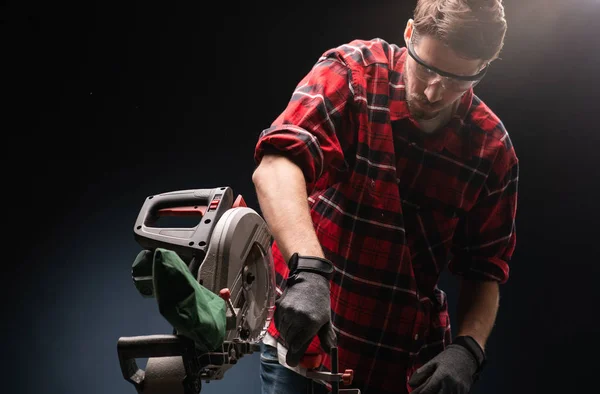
column 281, row 191
column 477, row 309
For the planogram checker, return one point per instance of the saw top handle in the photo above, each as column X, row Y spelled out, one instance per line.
column 188, row 243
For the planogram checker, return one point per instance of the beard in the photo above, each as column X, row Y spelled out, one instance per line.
column 419, row 106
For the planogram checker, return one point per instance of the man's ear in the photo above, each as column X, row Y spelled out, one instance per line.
column 408, row 30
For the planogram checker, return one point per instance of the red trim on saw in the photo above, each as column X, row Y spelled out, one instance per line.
column 197, row 210
column 239, row 202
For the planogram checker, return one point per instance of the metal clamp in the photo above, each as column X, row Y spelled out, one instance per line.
column 334, row 377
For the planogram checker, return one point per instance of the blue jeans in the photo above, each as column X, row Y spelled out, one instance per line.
column 277, row 379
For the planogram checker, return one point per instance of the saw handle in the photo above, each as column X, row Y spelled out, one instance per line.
column 171, row 202
column 188, row 243
column 196, row 210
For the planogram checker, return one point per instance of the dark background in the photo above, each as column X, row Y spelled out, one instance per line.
column 119, row 100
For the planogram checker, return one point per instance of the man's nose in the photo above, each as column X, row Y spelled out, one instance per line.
column 434, row 90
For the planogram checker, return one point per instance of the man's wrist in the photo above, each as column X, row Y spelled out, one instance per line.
column 318, row 265
column 469, row 343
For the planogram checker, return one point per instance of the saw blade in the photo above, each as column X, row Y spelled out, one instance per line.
column 259, row 291
column 239, row 258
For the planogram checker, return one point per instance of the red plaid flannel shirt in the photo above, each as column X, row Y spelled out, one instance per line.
column 393, row 206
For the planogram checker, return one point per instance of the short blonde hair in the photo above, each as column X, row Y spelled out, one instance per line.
column 474, row 29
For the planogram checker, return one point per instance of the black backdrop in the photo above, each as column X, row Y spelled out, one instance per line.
column 120, row 100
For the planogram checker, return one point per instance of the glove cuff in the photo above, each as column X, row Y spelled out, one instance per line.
column 473, row 347
column 314, row 264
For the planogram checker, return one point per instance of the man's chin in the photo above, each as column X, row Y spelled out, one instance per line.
column 422, row 114
column 427, row 115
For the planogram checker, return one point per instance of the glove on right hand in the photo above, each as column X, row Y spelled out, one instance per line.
column 303, row 311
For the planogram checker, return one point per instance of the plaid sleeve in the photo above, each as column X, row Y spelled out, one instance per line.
column 485, row 238
column 314, row 130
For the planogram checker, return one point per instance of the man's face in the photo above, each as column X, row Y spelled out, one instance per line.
column 428, row 93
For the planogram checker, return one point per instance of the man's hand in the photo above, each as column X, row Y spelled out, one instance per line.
column 303, row 311
column 450, row 372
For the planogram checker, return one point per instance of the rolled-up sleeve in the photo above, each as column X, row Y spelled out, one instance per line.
column 315, row 127
column 485, row 237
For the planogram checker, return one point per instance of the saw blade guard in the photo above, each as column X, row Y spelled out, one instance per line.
column 239, row 258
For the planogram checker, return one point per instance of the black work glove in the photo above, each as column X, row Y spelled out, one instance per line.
column 304, row 310
column 453, row 371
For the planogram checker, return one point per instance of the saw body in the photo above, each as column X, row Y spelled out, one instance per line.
column 228, row 252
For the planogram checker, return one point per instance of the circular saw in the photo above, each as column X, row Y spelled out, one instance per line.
column 225, row 247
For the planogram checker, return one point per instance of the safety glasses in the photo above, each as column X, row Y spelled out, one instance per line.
column 427, row 73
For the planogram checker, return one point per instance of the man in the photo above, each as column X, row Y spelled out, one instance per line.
column 405, row 171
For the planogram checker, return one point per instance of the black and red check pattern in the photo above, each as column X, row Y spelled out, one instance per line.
column 393, row 206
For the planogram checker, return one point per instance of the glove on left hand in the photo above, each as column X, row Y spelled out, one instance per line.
column 452, row 371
